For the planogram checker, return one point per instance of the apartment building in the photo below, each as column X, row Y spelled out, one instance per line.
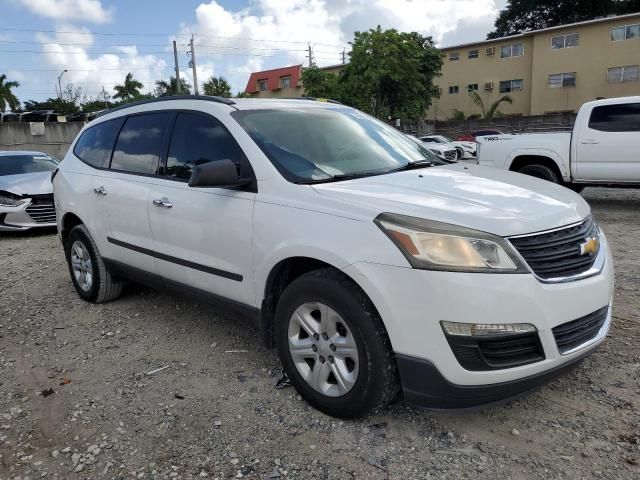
column 544, row 71
column 283, row 82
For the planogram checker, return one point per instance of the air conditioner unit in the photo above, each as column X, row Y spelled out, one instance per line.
column 489, row 51
column 488, row 86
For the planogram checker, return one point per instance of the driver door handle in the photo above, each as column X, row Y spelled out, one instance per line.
column 162, row 202
column 590, row 141
column 100, row 190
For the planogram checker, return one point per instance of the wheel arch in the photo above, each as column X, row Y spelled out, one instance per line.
column 282, row 274
column 69, row 220
column 547, row 158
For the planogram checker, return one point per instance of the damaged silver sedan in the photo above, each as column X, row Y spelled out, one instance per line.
column 26, row 193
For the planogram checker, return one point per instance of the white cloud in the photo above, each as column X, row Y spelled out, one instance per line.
column 85, row 10
column 92, row 71
column 268, row 29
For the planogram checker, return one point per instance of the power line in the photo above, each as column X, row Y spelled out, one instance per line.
column 113, row 34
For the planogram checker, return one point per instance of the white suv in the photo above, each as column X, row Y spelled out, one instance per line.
column 373, row 266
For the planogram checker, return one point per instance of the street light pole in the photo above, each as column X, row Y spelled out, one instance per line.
column 60, row 82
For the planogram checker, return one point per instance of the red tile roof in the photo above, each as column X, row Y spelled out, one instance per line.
column 273, row 78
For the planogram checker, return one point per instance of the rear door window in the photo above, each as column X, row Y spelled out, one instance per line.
column 616, row 118
column 198, row 139
column 96, row 143
column 139, row 146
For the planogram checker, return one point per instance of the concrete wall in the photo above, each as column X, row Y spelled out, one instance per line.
column 53, row 138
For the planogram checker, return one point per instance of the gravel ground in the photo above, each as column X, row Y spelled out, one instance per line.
column 76, row 399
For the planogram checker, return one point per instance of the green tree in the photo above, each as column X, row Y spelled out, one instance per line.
column 217, row 86
column 491, row 112
column 523, row 15
column 391, row 73
column 457, row 115
column 242, row 94
column 164, row 88
column 318, row 83
column 129, row 90
column 56, row 104
column 7, row 97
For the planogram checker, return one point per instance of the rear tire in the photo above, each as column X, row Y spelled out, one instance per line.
column 89, row 274
column 363, row 362
column 540, row 171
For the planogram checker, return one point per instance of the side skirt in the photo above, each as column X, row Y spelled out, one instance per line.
column 157, row 282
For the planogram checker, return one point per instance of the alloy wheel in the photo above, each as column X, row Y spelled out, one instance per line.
column 81, row 265
column 323, row 349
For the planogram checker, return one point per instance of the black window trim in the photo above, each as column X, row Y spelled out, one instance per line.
column 166, row 143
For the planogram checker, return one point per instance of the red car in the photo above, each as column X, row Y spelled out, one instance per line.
column 471, row 137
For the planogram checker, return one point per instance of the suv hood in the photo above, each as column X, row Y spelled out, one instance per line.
column 36, row 183
column 496, row 201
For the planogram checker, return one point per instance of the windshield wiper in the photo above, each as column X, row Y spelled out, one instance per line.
column 369, row 173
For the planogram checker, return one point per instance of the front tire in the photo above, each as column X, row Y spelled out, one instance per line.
column 333, row 345
column 89, row 275
column 540, row 171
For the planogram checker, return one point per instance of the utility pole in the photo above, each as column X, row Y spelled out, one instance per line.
column 193, row 66
column 344, row 56
column 60, row 82
column 104, row 97
column 310, row 56
column 175, row 59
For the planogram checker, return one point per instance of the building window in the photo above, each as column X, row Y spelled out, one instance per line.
column 507, row 86
column 453, row 90
column 472, row 87
column 626, row 32
column 473, row 53
column 262, row 85
column 630, row 73
column 565, row 41
column 285, row 82
column 515, row 50
column 454, row 57
column 558, row 80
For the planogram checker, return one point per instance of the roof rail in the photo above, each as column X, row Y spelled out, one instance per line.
column 226, row 101
column 313, row 99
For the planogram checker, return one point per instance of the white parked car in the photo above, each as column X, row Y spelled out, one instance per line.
column 602, row 149
column 26, row 193
column 445, row 152
column 345, row 242
column 465, row 149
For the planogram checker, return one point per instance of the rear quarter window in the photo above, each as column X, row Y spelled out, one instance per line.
column 616, row 118
column 95, row 144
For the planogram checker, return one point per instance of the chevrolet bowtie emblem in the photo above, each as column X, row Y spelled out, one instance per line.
column 590, row 246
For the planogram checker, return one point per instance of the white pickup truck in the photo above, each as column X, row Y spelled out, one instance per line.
column 602, row 149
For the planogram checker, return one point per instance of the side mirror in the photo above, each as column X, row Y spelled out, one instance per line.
column 221, row 173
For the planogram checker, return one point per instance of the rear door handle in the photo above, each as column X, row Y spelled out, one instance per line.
column 590, row 142
column 100, row 190
column 162, row 202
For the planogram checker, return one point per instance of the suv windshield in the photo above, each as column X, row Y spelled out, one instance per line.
column 18, row 164
column 310, row 145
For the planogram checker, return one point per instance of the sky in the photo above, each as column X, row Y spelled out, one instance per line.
column 99, row 41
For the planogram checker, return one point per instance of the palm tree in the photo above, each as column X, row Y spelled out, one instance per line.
column 217, row 86
column 129, row 90
column 7, row 97
column 492, row 111
column 164, row 88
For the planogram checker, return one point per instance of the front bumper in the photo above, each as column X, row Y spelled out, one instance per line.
column 26, row 216
column 413, row 302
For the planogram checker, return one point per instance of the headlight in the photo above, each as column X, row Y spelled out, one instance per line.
column 433, row 245
column 10, row 202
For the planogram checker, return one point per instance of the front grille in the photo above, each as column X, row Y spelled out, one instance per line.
column 497, row 352
column 577, row 332
column 42, row 209
column 451, row 155
column 558, row 253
